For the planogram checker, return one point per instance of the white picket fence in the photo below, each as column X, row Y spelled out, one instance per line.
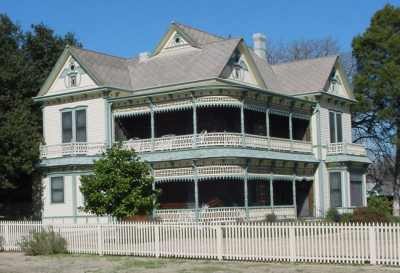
column 289, row 242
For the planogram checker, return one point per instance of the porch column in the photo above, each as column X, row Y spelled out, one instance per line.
column 194, row 105
column 246, row 197
column 271, row 191
column 291, row 130
column 242, row 122
column 294, row 194
column 109, row 125
column 196, row 190
column 152, row 124
column 153, row 187
column 267, row 127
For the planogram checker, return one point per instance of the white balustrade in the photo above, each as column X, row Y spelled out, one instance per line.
column 224, row 214
column 73, row 148
column 346, row 148
column 170, row 143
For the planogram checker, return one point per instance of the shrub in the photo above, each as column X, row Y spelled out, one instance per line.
column 381, row 204
column 43, row 243
column 370, row 215
column 333, row 215
column 271, row 218
column 346, row 218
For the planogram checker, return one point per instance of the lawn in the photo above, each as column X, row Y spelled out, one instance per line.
column 18, row 263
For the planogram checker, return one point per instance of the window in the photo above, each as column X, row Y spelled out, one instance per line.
column 80, row 122
column 335, row 127
column 335, row 182
column 57, row 189
column 66, row 118
column 356, row 190
column 73, row 126
column 72, row 81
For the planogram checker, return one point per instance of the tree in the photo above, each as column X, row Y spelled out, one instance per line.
column 26, row 58
column 302, row 49
column 377, row 88
column 120, row 186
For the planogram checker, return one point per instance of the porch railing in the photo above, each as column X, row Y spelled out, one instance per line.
column 346, row 148
column 70, row 149
column 224, row 214
column 170, row 143
column 218, row 139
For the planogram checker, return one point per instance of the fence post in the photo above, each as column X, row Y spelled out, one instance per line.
column 157, row 239
column 372, row 243
column 99, row 240
column 6, row 237
column 219, row 243
column 292, row 242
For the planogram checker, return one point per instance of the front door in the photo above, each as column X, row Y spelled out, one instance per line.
column 304, row 198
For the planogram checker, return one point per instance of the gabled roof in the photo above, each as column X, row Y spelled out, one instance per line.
column 194, row 65
column 304, row 76
column 108, row 70
column 206, row 59
column 198, row 36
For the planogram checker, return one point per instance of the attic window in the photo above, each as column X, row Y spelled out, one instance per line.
column 334, row 82
column 72, row 67
column 177, row 40
column 72, row 80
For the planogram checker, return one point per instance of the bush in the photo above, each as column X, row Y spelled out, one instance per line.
column 346, row 218
column 271, row 218
column 333, row 215
column 370, row 215
column 381, row 204
column 43, row 243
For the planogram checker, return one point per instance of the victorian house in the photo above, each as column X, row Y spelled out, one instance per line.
column 228, row 135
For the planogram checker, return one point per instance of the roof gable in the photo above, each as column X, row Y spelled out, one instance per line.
column 188, row 36
column 242, row 68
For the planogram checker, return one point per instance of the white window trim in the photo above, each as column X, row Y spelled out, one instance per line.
column 73, row 116
column 335, row 124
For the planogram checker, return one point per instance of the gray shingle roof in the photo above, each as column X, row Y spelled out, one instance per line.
column 192, row 65
column 166, row 69
column 204, row 62
column 304, row 76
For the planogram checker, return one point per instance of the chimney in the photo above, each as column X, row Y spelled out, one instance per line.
column 260, row 45
column 143, row 56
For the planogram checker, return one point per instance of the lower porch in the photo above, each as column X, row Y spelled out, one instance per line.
column 235, row 198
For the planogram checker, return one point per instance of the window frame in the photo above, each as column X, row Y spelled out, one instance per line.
column 51, row 190
column 340, row 190
column 335, row 114
column 358, row 178
column 73, row 115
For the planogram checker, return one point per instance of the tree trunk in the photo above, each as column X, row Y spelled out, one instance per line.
column 396, row 178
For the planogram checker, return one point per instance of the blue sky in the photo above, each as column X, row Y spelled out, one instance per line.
column 125, row 28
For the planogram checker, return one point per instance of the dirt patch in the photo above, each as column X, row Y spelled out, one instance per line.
column 19, row 263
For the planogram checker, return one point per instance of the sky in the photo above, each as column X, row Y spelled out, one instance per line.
column 126, row 28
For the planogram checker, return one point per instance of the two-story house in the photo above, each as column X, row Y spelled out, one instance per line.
column 227, row 134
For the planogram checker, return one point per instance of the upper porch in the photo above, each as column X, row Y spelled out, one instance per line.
column 205, row 119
